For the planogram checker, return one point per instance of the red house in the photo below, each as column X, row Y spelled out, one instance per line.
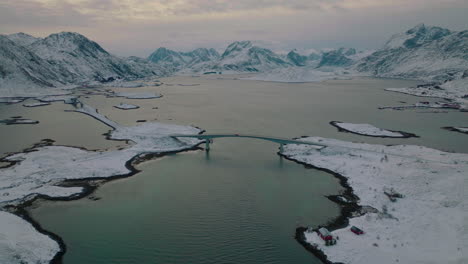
column 325, row 234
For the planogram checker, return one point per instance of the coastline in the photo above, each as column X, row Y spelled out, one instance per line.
column 367, row 177
column 88, row 185
column 403, row 134
column 347, row 209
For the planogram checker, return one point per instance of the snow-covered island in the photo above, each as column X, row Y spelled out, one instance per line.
column 51, row 172
column 458, row 129
column 136, row 95
column 38, row 104
column 124, row 106
column 11, row 100
column 370, row 130
column 454, row 90
column 19, row 121
column 410, row 201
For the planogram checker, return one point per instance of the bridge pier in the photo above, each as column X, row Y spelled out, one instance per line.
column 207, row 145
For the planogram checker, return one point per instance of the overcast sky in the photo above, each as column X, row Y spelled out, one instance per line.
column 137, row 27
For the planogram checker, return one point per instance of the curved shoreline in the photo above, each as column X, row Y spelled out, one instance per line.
column 454, row 129
column 403, row 134
column 347, row 210
column 21, row 209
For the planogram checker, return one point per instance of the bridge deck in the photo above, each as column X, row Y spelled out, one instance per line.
column 281, row 141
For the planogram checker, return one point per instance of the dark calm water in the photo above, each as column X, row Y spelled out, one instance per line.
column 241, row 203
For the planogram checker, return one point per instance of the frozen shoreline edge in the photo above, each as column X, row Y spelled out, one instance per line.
column 89, row 185
column 341, row 221
column 342, row 129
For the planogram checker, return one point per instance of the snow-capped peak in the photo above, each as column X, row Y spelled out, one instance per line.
column 67, row 42
column 416, row 36
column 22, row 39
column 236, row 47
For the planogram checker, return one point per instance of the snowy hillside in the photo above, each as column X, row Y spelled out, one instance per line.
column 240, row 56
column 22, row 39
column 22, row 70
column 423, row 52
column 175, row 61
column 28, row 63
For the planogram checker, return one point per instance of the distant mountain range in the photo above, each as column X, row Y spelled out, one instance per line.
column 423, row 52
column 63, row 59
column 244, row 56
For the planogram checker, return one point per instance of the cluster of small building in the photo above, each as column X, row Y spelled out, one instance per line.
column 330, row 240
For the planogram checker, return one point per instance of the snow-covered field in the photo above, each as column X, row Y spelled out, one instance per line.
column 41, row 170
column 427, row 225
column 369, row 130
column 136, row 95
column 21, row 243
column 456, row 90
column 305, row 74
column 36, row 104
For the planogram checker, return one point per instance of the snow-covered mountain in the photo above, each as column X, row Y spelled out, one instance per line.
column 79, row 59
column 21, row 69
column 22, row 39
column 175, row 60
column 62, row 59
column 243, row 56
column 239, row 56
column 337, row 58
column 297, row 59
column 423, row 52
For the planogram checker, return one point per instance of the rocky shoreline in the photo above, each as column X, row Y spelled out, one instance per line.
column 89, row 186
column 403, row 134
column 347, row 211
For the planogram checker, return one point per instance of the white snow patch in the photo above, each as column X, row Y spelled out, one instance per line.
column 36, row 104
column 56, row 98
column 124, row 106
column 138, row 95
column 11, row 100
column 426, row 226
column 303, row 74
column 41, row 171
column 368, row 130
column 461, row 129
column 19, row 121
column 21, row 243
column 456, row 90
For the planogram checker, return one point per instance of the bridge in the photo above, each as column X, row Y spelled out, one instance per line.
column 209, row 138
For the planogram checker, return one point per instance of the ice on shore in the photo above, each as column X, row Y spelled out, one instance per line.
column 36, row 104
column 369, row 130
column 427, row 225
column 456, row 90
column 141, row 95
column 42, row 170
column 458, row 129
column 11, row 100
column 296, row 74
column 21, row 243
column 124, row 106
column 461, row 129
column 19, row 121
column 56, row 98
